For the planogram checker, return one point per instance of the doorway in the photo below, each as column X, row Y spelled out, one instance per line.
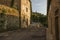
column 56, row 28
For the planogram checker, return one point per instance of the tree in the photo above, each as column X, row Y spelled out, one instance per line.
column 43, row 20
column 38, row 17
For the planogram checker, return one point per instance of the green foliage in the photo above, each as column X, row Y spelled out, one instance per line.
column 3, row 12
column 14, row 6
column 12, row 3
column 2, row 21
column 38, row 17
column 11, row 28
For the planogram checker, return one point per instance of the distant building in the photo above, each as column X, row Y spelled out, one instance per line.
column 53, row 19
column 23, row 6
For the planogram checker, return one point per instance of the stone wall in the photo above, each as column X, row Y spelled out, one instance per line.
column 54, row 20
column 9, row 18
column 23, row 7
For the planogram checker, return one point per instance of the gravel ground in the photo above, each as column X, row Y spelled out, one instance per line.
column 39, row 34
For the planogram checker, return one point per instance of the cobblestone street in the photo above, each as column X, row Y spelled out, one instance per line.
column 39, row 34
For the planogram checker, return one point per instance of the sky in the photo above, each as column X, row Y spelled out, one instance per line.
column 39, row 6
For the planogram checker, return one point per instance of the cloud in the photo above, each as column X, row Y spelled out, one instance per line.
column 39, row 5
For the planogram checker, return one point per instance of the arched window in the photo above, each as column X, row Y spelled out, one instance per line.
column 56, row 12
column 26, row 9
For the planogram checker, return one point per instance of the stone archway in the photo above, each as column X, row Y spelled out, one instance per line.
column 57, row 24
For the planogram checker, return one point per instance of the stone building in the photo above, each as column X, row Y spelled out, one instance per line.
column 23, row 6
column 25, row 13
column 16, row 3
column 9, row 18
column 53, row 19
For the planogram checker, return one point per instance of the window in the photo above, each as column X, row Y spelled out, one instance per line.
column 26, row 9
column 27, row 22
column 27, row 2
column 56, row 12
column 24, row 19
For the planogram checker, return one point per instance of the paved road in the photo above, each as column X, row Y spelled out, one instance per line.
column 39, row 34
